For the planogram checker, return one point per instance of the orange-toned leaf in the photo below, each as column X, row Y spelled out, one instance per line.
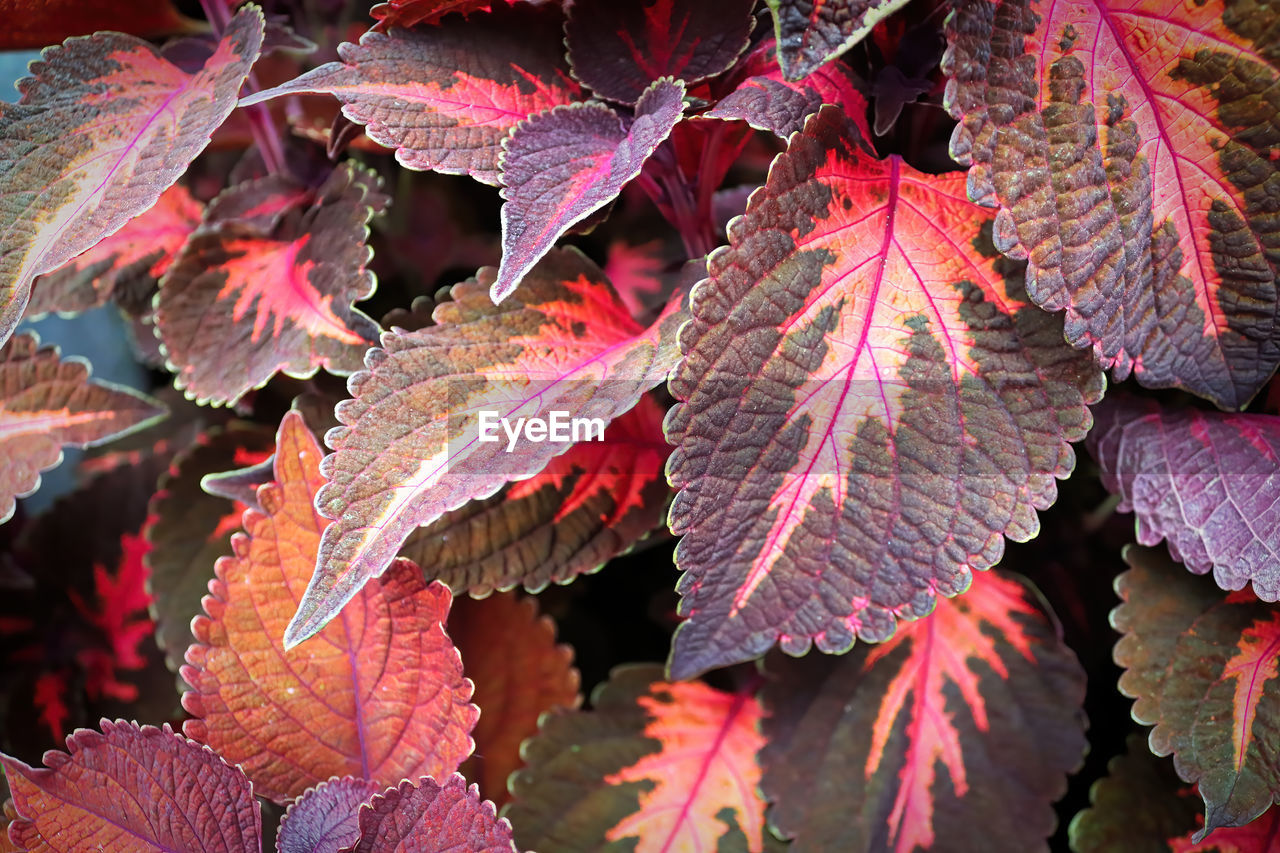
column 520, row 672
column 7, row 818
column 379, row 695
column 958, row 731
column 37, row 23
column 47, row 404
column 104, row 126
column 132, row 789
column 656, row 765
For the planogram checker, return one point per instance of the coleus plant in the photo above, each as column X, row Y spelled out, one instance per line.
column 817, row 298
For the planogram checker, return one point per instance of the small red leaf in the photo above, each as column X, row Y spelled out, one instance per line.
column 445, row 96
column 326, row 818
column 47, row 404
column 104, row 126
column 32, row 24
column 562, row 165
column 619, row 49
column 242, row 302
column 132, row 789
column 811, row 32
column 119, row 613
column 407, row 13
column 379, row 695
column 432, row 818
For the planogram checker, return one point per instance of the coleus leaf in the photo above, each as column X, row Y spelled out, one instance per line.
column 811, row 32
column 1203, row 671
column 1205, row 481
column 126, row 265
column 104, row 126
column 33, row 24
column 1139, row 189
column 380, row 695
column 868, row 408
column 132, row 789
column 8, row 814
column 520, row 672
column 190, row 529
column 47, row 404
column 429, row 817
column 969, row 717
column 407, row 13
column 586, row 507
column 409, row 451
column 240, row 303
column 618, row 50
column 662, row 766
column 445, row 96
column 325, row 819
column 636, row 271
column 564, row 164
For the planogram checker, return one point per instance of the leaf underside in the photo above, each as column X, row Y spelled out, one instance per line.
column 325, row 819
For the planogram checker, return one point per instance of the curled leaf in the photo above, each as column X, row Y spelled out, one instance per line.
column 812, row 32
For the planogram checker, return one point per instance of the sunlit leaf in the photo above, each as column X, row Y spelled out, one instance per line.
column 869, row 408
column 970, row 717
column 619, row 49
column 7, row 816
column 655, row 765
column 428, row 817
column 125, row 266
column 811, row 32
column 587, row 506
column 1140, row 188
column 325, row 819
column 410, row 451
column 445, row 96
column 241, row 302
column 1205, row 481
column 132, row 789
column 104, row 126
column 1202, row 668
column 190, row 529
column 562, row 165
column 47, row 404
column 36, row 23
column 406, row 13
column 520, row 672
column 379, row 695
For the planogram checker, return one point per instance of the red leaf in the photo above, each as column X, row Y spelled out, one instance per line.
column 869, row 407
column 325, row 819
column 132, row 789
column 47, row 404
column 445, row 96
column 432, row 818
column 619, row 49
column 410, row 450
column 104, row 126
column 380, row 695
column 811, row 32
column 35, row 23
column 407, row 13
column 120, row 614
column 125, row 266
column 672, row 766
column 562, row 165
column 50, row 700
column 242, row 302
column 1139, row 187
column 637, row 273
column 970, row 717
column 520, row 672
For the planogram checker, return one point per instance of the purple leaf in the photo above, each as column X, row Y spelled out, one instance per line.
column 564, row 164
column 326, row 818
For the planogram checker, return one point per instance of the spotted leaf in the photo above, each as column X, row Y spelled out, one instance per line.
column 969, row 717
column 380, row 694
column 410, row 447
column 126, row 266
column 653, row 765
column 618, row 50
column 445, row 96
column 241, row 303
column 1205, row 481
column 811, row 32
column 429, row 817
column 1203, row 671
column 47, row 404
column 325, row 819
column 132, row 789
column 104, row 126
column 869, row 408
column 1129, row 146
column 587, row 506
column 564, row 164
